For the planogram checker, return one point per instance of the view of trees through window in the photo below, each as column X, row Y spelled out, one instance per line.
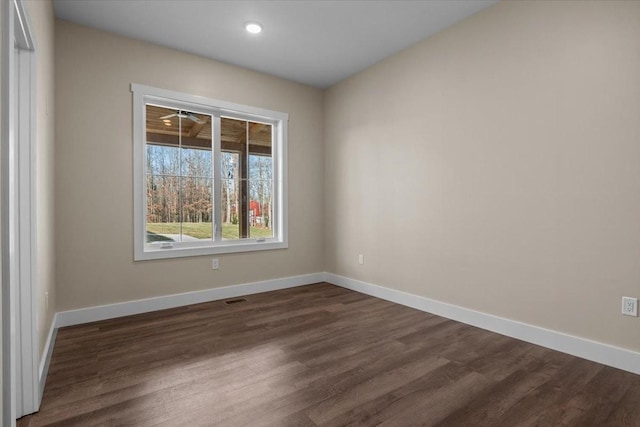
column 181, row 178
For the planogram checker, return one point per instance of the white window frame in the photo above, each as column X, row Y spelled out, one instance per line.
column 143, row 95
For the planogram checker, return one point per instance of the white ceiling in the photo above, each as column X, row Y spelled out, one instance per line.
column 318, row 43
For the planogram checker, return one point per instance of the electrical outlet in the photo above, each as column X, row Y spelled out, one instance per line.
column 360, row 259
column 630, row 306
column 214, row 264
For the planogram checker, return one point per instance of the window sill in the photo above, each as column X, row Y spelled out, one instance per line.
column 150, row 253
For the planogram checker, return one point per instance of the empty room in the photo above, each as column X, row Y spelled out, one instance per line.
column 320, row 213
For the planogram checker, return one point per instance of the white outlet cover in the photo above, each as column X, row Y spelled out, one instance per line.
column 214, row 264
column 630, row 306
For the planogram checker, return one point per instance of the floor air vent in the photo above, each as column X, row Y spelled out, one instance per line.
column 235, row 301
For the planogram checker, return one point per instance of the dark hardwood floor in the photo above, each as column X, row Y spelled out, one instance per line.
column 319, row 355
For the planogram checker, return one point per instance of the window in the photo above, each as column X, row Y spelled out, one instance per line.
column 209, row 176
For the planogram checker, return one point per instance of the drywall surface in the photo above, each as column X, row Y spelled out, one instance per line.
column 496, row 166
column 94, row 182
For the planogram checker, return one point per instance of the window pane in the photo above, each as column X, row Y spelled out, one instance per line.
column 196, row 162
column 163, row 208
column 196, row 170
column 195, row 144
column 247, row 195
column 197, row 202
column 163, row 160
column 233, row 138
column 163, row 142
column 229, row 195
column 260, row 189
column 179, row 175
column 260, row 180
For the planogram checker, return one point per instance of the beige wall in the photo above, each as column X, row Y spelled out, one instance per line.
column 496, row 166
column 93, row 185
column 42, row 21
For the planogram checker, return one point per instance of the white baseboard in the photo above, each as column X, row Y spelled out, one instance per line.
column 591, row 350
column 110, row 311
column 46, row 356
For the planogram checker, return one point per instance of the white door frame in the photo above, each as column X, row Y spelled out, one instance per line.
column 21, row 391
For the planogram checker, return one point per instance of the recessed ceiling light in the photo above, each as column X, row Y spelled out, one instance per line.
column 253, row 27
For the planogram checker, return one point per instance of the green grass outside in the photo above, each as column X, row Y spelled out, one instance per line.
column 199, row 230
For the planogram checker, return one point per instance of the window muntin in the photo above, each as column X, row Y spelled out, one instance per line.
column 209, row 176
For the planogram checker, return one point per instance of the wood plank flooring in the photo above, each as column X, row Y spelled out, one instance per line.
column 319, row 355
